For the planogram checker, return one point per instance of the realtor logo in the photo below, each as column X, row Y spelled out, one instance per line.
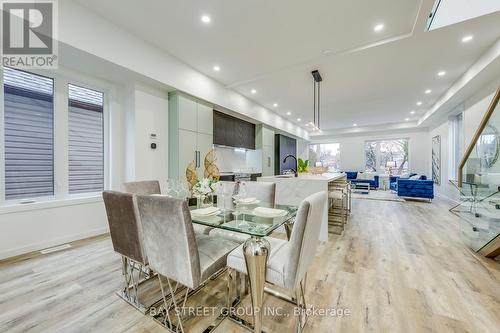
column 28, row 34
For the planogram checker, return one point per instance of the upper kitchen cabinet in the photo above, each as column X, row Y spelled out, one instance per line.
column 205, row 119
column 190, row 134
column 233, row 132
column 192, row 115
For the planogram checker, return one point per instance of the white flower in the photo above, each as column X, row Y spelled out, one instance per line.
column 204, row 187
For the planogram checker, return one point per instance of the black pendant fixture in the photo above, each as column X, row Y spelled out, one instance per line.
column 317, row 98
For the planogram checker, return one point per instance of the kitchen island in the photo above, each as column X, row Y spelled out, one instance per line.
column 292, row 190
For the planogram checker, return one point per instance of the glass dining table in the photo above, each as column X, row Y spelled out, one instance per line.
column 257, row 220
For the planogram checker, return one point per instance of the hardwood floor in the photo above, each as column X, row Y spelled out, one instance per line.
column 399, row 267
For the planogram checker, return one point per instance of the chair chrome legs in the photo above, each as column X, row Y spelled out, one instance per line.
column 301, row 305
column 167, row 306
column 130, row 292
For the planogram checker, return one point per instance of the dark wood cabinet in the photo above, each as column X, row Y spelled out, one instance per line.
column 283, row 146
column 233, row 132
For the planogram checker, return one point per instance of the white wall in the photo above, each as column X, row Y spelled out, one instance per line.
column 150, row 116
column 352, row 149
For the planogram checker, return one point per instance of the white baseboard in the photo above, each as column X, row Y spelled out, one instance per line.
column 52, row 242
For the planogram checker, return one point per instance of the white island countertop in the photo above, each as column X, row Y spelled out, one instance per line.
column 291, row 190
column 304, row 176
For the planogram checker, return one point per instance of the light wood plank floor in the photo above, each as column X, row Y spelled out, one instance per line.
column 399, row 267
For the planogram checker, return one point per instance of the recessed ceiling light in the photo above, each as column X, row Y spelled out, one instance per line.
column 419, row 103
column 354, row 125
column 407, row 119
column 216, row 68
column 442, row 73
column 288, row 113
column 378, row 27
column 253, row 91
column 205, row 19
column 467, row 38
column 412, row 112
column 307, row 124
column 428, row 91
column 298, row 119
column 275, row 105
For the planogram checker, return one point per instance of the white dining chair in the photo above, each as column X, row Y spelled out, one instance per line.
column 288, row 261
column 176, row 253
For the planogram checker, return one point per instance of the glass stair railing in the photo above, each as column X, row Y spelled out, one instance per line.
column 479, row 185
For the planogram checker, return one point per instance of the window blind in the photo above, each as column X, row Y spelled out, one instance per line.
column 29, row 134
column 86, row 140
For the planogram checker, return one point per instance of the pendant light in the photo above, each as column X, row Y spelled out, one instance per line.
column 316, row 98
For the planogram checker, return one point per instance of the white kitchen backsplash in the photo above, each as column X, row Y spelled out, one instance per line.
column 237, row 160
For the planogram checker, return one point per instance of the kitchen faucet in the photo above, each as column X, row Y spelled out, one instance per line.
column 296, row 164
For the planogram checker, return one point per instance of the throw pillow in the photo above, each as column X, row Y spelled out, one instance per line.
column 416, row 177
column 405, row 175
column 361, row 176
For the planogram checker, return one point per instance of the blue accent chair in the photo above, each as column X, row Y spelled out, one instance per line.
column 418, row 188
column 393, row 181
column 353, row 175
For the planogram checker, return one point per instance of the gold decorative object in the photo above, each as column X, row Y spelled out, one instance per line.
column 191, row 176
column 211, row 169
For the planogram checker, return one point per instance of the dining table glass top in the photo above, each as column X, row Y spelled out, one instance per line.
column 255, row 219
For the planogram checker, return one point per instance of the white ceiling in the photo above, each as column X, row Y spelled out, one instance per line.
column 369, row 78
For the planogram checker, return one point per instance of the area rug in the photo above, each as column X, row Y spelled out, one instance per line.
column 378, row 195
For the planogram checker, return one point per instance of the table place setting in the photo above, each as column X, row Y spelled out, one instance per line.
column 247, row 201
column 206, row 212
column 269, row 212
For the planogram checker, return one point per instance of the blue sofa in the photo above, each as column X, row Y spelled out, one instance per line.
column 353, row 175
column 418, row 188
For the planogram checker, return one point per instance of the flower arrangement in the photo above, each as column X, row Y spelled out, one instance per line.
column 204, row 187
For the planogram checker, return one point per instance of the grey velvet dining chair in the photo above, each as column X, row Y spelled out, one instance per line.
column 176, row 253
column 288, row 261
column 127, row 238
column 143, row 187
column 263, row 191
column 148, row 187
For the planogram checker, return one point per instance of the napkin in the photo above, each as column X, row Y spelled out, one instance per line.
column 205, row 211
column 269, row 212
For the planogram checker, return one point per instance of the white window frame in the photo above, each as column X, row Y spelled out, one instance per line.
column 378, row 152
column 62, row 78
column 329, row 143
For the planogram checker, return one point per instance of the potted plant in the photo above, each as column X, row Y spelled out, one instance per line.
column 302, row 166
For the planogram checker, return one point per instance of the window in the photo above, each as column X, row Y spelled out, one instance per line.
column 325, row 154
column 378, row 153
column 86, row 140
column 29, row 135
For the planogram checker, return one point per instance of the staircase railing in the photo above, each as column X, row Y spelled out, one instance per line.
column 477, row 135
column 478, row 182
